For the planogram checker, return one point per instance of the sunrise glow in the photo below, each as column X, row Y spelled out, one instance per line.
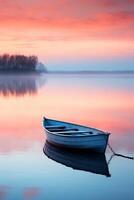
column 59, row 31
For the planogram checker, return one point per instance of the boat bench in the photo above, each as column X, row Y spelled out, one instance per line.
column 55, row 127
column 70, row 131
column 75, row 132
column 63, row 130
column 60, row 128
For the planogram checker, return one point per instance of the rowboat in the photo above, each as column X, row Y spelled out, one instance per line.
column 71, row 135
column 78, row 160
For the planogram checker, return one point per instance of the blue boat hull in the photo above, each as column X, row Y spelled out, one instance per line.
column 96, row 142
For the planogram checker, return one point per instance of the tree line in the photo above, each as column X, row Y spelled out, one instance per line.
column 18, row 62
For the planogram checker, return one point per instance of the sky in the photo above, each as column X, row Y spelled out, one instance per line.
column 70, row 35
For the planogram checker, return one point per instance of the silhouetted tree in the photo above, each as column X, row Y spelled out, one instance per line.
column 18, row 63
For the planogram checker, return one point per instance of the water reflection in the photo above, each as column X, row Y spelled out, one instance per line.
column 31, row 193
column 104, row 102
column 77, row 159
column 3, row 192
column 19, row 85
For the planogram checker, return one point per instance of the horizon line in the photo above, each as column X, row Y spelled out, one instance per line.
column 90, row 71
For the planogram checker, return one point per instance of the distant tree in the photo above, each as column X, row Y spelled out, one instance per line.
column 18, row 63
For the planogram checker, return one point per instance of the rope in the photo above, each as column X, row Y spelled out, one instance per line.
column 117, row 154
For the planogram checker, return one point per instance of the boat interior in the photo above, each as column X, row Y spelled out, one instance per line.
column 68, row 130
column 60, row 127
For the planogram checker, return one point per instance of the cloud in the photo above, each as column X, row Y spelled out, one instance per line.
column 66, row 19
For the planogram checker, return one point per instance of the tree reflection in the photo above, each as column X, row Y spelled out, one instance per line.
column 20, row 85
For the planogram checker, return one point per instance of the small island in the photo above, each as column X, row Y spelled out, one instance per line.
column 20, row 63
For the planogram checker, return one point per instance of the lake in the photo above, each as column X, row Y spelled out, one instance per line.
column 103, row 101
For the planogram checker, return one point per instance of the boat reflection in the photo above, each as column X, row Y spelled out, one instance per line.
column 77, row 159
column 19, row 85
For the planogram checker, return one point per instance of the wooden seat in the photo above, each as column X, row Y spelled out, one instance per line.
column 74, row 132
column 55, row 127
column 63, row 130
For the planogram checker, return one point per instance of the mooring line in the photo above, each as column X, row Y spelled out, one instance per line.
column 117, row 154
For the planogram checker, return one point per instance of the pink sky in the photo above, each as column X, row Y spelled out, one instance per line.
column 65, row 19
column 65, row 28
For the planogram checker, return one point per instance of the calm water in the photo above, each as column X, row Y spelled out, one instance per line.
column 102, row 101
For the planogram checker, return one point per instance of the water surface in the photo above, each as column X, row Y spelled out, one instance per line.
column 103, row 101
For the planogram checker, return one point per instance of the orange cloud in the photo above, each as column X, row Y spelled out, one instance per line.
column 69, row 20
column 76, row 28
